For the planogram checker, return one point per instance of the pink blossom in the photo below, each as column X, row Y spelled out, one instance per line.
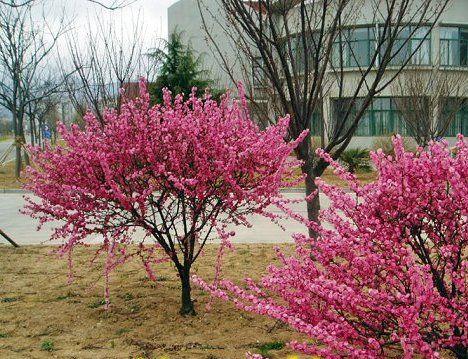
column 181, row 172
column 388, row 270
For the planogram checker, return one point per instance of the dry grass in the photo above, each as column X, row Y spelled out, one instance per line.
column 8, row 180
column 42, row 317
column 7, row 177
column 329, row 177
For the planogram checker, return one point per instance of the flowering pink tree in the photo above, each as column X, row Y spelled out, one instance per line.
column 179, row 171
column 388, row 270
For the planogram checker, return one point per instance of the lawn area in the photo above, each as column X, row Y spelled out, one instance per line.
column 42, row 317
column 363, row 177
column 330, row 177
column 7, row 177
column 5, row 138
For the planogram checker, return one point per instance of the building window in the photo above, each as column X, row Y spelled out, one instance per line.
column 412, row 43
column 301, row 54
column 354, row 47
column 459, row 123
column 453, row 46
column 381, row 118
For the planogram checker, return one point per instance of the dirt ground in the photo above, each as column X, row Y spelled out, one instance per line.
column 7, row 177
column 41, row 316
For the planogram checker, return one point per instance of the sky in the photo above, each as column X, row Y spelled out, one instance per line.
column 151, row 15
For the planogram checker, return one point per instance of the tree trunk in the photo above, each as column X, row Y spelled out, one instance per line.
column 187, row 307
column 313, row 206
column 16, row 144
column 33, row 130
column 18, row 158
column 12, row 242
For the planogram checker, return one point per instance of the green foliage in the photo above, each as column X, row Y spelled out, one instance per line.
column 356, row 159
column 97, row 303
column 47, row 345
column 180, row 70
column 3, row 335
column 265, row 348
column 9, row 300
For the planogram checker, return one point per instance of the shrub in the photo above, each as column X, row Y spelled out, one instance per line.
column 388, row 270
column 356, row 159
column 178, row 171
column 385, row 143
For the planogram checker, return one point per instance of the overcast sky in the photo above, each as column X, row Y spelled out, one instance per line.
column 151, row 13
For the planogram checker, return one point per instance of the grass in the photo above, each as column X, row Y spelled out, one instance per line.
column 265, row 349
column 7, row 177
column 8, row 181
column 329, row 177
column 8, row 300
column 97, row 303
column 5, row 138
column 47, row 345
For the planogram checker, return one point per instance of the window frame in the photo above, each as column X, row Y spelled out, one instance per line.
column 373, row 117
column 375, row 30
column 458, row 41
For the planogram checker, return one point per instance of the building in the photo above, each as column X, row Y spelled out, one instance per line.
column 443, row 50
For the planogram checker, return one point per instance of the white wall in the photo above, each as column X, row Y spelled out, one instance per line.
column 185, row 16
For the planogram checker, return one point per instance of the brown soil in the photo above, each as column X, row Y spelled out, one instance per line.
column 39, row 311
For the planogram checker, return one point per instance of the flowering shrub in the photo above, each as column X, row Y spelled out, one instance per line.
column 388, row 271
column 179, row 171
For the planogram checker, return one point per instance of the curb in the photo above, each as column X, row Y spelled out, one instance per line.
column 12, row 190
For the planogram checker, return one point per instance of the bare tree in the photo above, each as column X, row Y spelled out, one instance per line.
column 300, row 50
column 39, row 115
column 109, row 5
column 429, row 102
column 110, row 58
column 24, row 51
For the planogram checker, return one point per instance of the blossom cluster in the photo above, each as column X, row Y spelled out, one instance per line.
column 388, row 270
column 178, row 171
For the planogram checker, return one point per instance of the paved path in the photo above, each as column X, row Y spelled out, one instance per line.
column 22, row 229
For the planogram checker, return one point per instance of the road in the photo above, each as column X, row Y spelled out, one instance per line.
column 22, row 229
column 4, row 146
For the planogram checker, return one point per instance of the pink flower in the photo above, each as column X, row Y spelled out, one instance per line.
column 388, row 270
column 181, row 171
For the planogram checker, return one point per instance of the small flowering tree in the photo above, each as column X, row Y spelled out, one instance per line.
column 179, row 171
column 389, row 272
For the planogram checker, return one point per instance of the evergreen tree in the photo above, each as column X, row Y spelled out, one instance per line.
column 180, row 70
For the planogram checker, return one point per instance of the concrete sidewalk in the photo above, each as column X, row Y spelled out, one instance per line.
column 22, row 229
